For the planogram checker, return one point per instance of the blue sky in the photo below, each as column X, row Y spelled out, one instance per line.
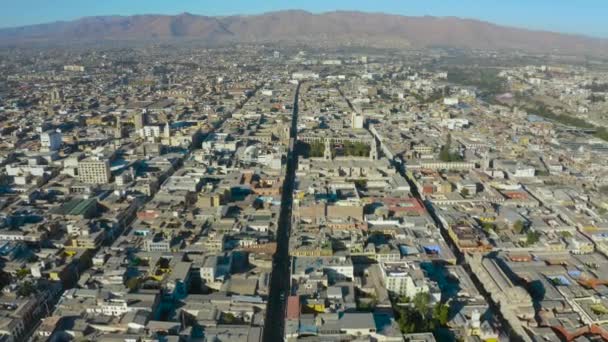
column 574, row 16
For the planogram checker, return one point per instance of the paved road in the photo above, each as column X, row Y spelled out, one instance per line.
column 279, row 279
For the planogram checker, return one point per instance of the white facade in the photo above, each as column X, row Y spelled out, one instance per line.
column 451, row 101
column 400, row 278
column 267, row 92
column 150, row 132
column 524, row 172
column 113, row 307
column 50, row 140
column 78, row 68
column 305, row 75
column 357, row 121
column 339, row 269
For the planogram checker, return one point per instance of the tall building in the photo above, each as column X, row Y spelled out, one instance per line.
column 94, row 171
column 373, row 152
column 167, row 130
column 50, row 141
column 357, row 120
column 140, row 120
column 118, row 130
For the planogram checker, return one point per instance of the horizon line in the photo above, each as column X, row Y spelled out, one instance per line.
column 246, row 14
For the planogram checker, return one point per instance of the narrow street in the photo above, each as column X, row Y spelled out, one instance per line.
column 279, row 279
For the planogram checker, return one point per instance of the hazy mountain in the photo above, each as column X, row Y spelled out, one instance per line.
column 356, row 28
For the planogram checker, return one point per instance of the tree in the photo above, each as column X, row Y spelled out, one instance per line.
column 361, row 183
column 316, row 149
column 488, row 227
column 26, row 289
column 133, row 283
column 407, row 321
column 601, row 133
column 532, row 237
column 421, row 302
column 357, row 149
column 441, row 314
column 486, row 80
column 22, row 273
column 446, row 154
column 465, row 192
column 417, row 317
column 518, row 226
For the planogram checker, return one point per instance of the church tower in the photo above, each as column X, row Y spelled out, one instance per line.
column 327, row 153
column 167, row 131
column 118, row 132
column 373, row 151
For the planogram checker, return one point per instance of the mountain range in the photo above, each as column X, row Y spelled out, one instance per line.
column 337, row 28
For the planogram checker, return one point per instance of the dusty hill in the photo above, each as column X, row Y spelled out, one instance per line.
column 356, row 28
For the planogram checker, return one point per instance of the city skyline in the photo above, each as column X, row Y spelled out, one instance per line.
column 565, row 16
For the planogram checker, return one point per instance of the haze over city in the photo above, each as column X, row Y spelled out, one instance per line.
column 410, row 171
column 582, row 17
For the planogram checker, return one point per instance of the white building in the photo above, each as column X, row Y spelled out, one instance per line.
column 78, row 68
column 455, row 123
column 404, row 279
column 305, row 75
column 151, row 132
column 451, row 101
column 50, row 141
column 357, row 120
column 339, row 268
column 332, row 62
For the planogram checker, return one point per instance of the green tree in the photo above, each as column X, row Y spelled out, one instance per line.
column 407, row 321
column 532, row 237
column 602, row 133
column 133, row 283
column 488, row 227
column 446, row 154
column 26, row 289
column 441, row 314
column 22, row 273
column 316, row 149
column 421, row 302
column 518, row 226
column 465, row 192
column 361, row 183
column 419, row 317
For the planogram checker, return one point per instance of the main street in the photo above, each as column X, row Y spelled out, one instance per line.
column 279, row 278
